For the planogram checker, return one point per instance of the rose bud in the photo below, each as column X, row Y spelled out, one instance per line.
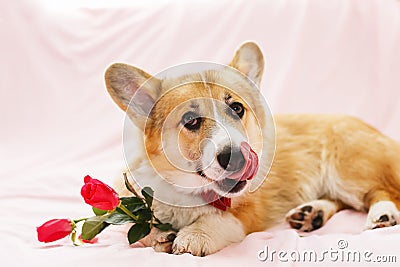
column 53, row 230
column 99, row 195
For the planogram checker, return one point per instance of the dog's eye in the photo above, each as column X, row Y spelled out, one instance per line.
column 191, row 121
column 238, row 109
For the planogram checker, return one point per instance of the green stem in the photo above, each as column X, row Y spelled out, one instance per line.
column 73, row 238
column 152, row 219
column 131, row 188
column 130, row 214
column 79, row 220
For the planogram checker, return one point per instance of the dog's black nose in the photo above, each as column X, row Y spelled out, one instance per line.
column 231, row 160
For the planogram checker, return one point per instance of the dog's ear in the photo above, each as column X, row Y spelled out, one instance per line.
column 249, row 60
column 133, row 90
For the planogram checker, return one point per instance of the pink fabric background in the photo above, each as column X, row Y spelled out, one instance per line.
column 58, row 123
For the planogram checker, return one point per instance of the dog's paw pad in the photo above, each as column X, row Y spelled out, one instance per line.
column 307, row 208
column 305, row 218
column 171, row 237
column 382, row 214
column 384, row 220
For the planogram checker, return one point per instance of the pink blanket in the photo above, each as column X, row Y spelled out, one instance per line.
column 58, row 123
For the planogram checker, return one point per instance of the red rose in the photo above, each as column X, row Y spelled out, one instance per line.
column 53, row 230
column 99, row 195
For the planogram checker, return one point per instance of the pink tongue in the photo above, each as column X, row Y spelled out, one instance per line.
column 251, row 166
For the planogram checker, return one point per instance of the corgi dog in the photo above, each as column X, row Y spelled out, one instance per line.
column 214, row 123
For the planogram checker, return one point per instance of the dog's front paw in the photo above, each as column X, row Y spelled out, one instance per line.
column 382, row 214
column 163, row 242
column 159, row 240
column 194, row 242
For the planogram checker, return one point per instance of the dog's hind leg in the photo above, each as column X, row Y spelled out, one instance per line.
column 382, row 210
column 312, row 215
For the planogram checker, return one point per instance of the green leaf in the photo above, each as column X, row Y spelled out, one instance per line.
column 132, row 203
column 93, row 226
column 145, row 215
column 138, row 231
column 147, row 193
column 163, row 226
column 119, row 218
column 98, row 212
